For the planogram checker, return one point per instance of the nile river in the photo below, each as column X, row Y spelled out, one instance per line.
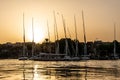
column 13, row 69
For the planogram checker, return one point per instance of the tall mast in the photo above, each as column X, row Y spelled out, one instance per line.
column 76, row 36
column 49, row 36
column 114, row 39
column 48, row 31
column 55, row 26
column 85, row 46
column 66, row 43
column 32, row 37
column 64, row 26
column 23, row 37
column 114, row 31
column 56, row 34
column 75, row 27
column 69, row 32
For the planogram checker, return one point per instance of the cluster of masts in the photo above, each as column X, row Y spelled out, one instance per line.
column 56, row 55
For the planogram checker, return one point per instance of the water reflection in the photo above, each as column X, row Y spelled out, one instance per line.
column 35, row 73
column 23, row 70
column 33, row 70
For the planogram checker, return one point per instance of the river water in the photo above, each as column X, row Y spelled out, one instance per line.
column 13, row 69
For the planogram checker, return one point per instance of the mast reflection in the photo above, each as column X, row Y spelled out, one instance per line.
column 23, row 70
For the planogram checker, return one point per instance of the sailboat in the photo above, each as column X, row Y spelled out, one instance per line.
column 33, row 57
column 57, row 48
column 115, row 56
column 85, row 56
column 23, row 57
column 52, row 56
column 43, row 56
column 66, row 57
column 76, row 42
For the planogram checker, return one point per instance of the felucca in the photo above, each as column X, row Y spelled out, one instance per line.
column 85, row 56
column 24, row 56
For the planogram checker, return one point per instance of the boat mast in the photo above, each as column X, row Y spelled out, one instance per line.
column 49, row 36
column 23, row 37
column 48, row 31
column 32, row 37
column 114, row 39
column 69, row 32
column 56, row 34
column 85, row 46
column 76, row 36
column 55, row 26
column 66, row 43
column 64, row 26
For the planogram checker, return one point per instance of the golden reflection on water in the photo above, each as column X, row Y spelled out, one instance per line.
column 36, row 75
column 40, row 70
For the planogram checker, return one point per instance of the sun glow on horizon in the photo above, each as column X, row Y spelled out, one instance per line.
column 38, row 35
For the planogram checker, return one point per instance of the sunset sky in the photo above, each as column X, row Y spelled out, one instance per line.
column 100, row 16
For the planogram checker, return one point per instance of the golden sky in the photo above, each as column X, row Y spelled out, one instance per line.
column 100, row 16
